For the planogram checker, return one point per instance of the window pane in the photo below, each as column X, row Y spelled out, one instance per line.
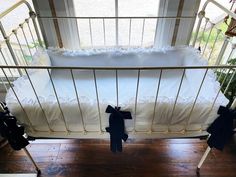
column 138, row 7
column 92, row 8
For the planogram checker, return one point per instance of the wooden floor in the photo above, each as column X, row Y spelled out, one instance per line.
column 141, row 158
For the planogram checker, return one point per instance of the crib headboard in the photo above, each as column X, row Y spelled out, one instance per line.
column 25, row 37
column 18, row 44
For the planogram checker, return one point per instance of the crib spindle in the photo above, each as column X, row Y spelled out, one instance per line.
column 195, row 100
column 156, row 31
column 90, row 32
column 154, row 109
column 136, row 99
column 18, row 41
column 142, row 32
column 201, row 15
column 219, row 91
column 7, row 40
column 58, row 102
column 6, row 89
column 78, row 101
column 231, row 78
column 5, row 61
column 97, row 97
column 130, row 23
column 204, row 28
column 40, row 105
column 213, row 46
column 208, row 37
column 22, row 29
column 33, row 16
column 172, row 112
column 230, row 54
column 31, row 34
column 13, row 90
column 222, row 51
column 117, row 89
column 104, row 31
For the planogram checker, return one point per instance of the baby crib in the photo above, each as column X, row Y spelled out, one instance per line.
column 170, row 92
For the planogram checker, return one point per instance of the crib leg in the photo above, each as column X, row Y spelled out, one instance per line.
column 32, row 160
column 203, row 159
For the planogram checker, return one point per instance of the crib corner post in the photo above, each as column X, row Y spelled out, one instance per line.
column 32, row 160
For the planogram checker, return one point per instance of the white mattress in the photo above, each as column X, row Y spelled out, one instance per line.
column 200, row 117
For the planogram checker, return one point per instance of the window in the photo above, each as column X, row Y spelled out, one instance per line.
column 111, row 32
column 133, row 28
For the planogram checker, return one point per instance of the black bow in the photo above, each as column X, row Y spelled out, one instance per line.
column 116, row 127
column 10, row 130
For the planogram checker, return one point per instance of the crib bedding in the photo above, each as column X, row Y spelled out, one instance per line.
column 166, row 116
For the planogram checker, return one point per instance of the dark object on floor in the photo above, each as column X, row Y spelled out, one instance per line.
column 10, row 130
column 221, row 129
column 116, row 127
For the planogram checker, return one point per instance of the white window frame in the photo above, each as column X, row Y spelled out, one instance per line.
column 70, row 34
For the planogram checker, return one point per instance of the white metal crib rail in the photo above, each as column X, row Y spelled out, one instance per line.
column 229, row 70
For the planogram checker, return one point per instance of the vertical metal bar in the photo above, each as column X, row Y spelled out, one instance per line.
column 227, row 87
column 219, row 91
column 130, row 21
column 142, row 31
column 18, row 41
column 136, row 99
column 207, row 19
column 208, row 37
column 222, row 51
column 117, row 89
column 90, row 32
column 201, row 14
column 77, row 97
column 117, row 21
column 59, row 105
column 157, row 92
column 33, row 16
column 233, row 105
column 27, row 117
column 40, row 105
column 98, row 105
column 31, row 34
column 21, row 26
column 4, row 84
column 189, row 117
column 78, row 30
column 172, row 112
column 9, row 46
column 4, row 58
column 217, row 35
column 230, row 54
column 104, row 31
column 155, row 36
